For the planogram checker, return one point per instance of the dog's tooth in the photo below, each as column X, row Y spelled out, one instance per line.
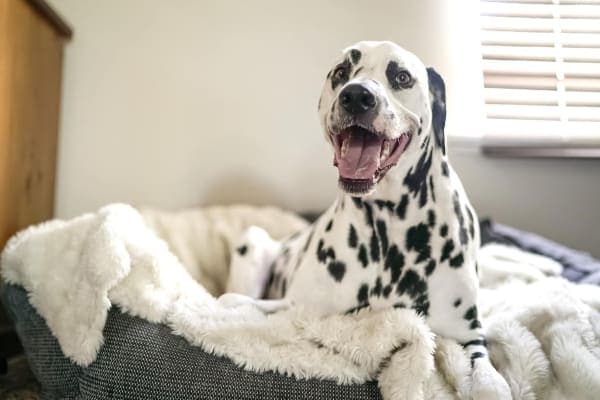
column 386, row 149
column 345, row 144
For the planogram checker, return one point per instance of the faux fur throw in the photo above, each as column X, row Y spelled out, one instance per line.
column 543, row 332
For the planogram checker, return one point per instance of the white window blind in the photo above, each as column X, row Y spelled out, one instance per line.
column 541, row 63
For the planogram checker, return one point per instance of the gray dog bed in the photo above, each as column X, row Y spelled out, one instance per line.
column 142, row 360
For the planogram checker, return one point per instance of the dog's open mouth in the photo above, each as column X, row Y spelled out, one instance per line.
column 363, row 157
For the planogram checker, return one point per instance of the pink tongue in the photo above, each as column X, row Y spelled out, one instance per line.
column 361, row 159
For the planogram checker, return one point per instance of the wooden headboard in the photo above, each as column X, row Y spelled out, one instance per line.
column 32, row 38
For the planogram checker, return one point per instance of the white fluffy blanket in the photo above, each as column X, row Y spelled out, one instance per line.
column 543, row 332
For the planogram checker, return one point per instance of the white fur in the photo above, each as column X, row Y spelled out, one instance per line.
column 544, row 336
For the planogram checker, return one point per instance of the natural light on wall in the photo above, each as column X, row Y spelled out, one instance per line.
column 541, row 62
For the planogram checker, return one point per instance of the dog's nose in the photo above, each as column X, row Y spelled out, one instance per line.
column 357, row 99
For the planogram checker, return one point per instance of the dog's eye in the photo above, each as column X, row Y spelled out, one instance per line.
column 339, row 73
column 399, row 77
column 403, row 78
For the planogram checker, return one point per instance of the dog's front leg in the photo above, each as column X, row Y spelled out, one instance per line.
column 454, row 314
column 487, row 383
column 251, row 263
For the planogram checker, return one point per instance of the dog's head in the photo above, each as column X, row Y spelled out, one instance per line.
column 378, row 105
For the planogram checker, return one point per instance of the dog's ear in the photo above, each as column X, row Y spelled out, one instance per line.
column 437, row 93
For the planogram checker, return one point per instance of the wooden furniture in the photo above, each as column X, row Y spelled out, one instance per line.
column 32, row 38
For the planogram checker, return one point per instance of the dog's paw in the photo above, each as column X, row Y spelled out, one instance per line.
column 232, row 300
column 488, row 384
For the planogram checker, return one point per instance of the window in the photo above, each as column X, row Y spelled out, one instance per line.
column 541, row 62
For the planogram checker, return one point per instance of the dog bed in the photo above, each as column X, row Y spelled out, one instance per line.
column 140, row 359
column 105, row 309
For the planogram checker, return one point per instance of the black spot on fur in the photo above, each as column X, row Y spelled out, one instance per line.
column 323, row 254
column 417, row 238
column 445, row 170
column 476, row 342
column 401, row 209
column 369, row 214
column 430, row 267
column 447, row 250
column 423, row 255
column 337, row 269
column 357, row 202
column 444, row 230
column 345, row 69
column 242, row 250
column 382, row 233
column 394, row 261
column 355, row 55
column 411, row 284
column 376, row 291
column 461, row 219
column 471, row 313
column 352, row 237
column 475, row 324
column 329, row 225
column 431, row 218
column 415, row 287
column 363, row 293
column 416, row 178
column 457, row 261
column 437, row 90
column 471, row 222
column 399, row 305
column 330, row 253
column 475, row 356
column 431, row 188
column 374, row 246
column 421, row 305
column 457, row 302
column 387, row 290
column 362, row 256
column 387, row 204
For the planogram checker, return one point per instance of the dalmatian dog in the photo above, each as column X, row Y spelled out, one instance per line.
column 401, row 232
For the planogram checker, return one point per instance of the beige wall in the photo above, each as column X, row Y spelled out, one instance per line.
column 180, row 103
